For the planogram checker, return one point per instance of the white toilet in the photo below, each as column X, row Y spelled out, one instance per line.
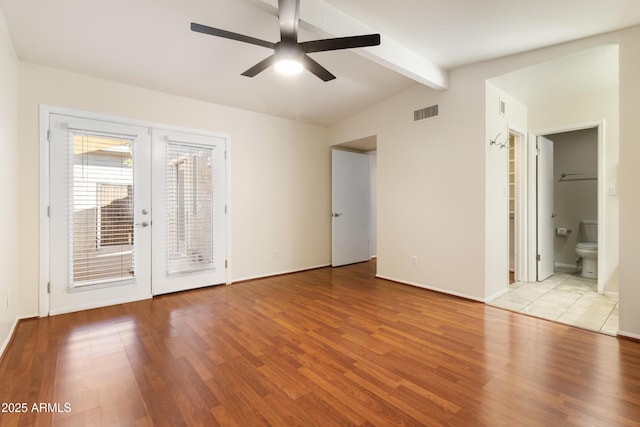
column 588, row 248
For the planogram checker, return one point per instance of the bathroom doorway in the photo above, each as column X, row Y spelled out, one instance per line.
column 576, row 195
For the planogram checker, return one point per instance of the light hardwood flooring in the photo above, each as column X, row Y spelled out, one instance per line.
column 327, row 347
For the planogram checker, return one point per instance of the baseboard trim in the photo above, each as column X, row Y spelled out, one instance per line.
column 495, row 296
column 99, row 304
column 281, row 273
column 629, row 335
column 561, row 265
column 431, row 288
column 9, row 339
column 12, row 333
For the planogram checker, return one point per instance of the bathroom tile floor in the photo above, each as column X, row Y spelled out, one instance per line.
column 565, row 297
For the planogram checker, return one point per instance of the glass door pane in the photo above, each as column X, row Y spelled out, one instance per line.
column 101, row 209
column 189, row 198
column 189, row 207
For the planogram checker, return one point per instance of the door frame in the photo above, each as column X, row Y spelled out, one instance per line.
column 603, row 184
column 521, row 217
column 45, row 194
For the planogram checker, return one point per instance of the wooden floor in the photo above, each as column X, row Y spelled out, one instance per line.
column 319, row 348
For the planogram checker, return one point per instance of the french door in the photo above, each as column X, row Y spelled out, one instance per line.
column 189, row 238
column 100, row 201
column 132, row 215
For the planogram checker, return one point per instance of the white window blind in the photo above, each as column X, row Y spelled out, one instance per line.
column 189, row 201
column 101, row 209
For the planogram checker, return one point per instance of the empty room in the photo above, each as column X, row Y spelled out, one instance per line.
column 319, row 212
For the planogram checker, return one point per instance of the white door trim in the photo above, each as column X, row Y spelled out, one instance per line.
column 45, row 194
column 521, row 216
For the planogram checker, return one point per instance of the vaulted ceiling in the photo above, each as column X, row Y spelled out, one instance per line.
column 148, row 43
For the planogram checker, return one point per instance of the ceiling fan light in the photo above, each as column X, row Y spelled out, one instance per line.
column 288, row 67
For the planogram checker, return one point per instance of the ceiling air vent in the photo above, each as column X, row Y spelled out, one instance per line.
column 425, row 113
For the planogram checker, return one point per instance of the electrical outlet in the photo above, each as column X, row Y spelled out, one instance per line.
column 414, row 260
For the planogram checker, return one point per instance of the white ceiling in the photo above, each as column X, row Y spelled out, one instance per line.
column 588, row 73
column 148, row 43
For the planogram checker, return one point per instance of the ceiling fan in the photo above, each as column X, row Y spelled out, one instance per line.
column 290, row 56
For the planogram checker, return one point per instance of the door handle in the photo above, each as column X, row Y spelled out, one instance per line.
column 142, row 224
column 336, row 215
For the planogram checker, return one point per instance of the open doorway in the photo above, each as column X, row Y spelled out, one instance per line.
column 567, row 94
column 569, row 202
column 575, row 200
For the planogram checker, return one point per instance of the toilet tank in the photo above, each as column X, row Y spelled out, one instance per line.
column 589, row 230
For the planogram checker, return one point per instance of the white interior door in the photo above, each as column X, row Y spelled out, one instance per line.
column 189, row 225
column 546, row 215
column 100, row 197
column 350, row 205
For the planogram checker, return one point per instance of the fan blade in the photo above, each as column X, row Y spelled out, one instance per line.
column 229, row 35
column 260, row 66
column 317, row 69
column 340, row 43
column 288, row 14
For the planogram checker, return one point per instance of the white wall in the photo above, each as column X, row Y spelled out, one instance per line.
column 629, row 176
column 428, row 200
column 9, row 274
column 280, row 171
column 431, row 177
column 497, row 186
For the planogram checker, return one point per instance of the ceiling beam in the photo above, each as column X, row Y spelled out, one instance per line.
column 324, row 17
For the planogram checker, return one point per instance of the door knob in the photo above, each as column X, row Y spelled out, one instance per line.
column 142, row 224
column 336, row 215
